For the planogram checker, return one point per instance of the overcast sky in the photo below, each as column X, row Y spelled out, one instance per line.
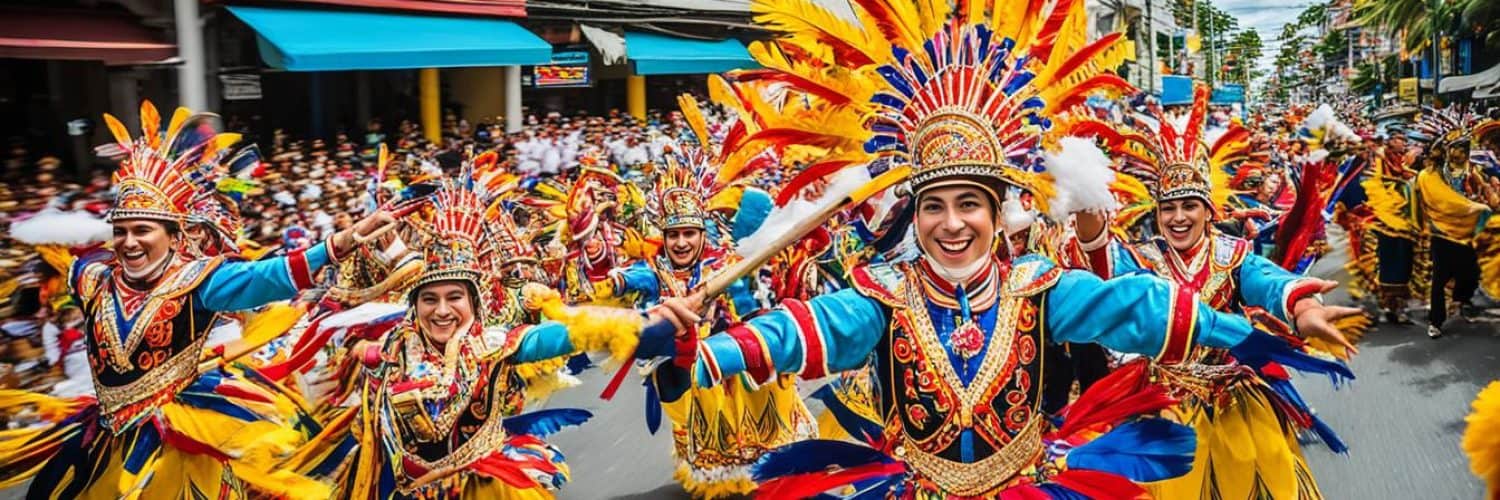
column 1267, row 17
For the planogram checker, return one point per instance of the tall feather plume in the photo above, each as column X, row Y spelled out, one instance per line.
column 808, row 24
column 174, row 127
column 119, row 132
column 896, row 21
column 150, row 124
column 694, row 117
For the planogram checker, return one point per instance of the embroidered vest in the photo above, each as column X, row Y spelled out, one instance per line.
column 144, row 346
column 931, row 416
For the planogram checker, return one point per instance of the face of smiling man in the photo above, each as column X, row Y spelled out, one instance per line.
column 683, row 245
column 142, row 247
column 1183, row 222
column 956, row 225
column 444, row 308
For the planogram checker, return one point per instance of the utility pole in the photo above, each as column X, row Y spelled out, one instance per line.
column 1150, row 47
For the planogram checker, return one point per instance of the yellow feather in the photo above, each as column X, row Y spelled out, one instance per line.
column 219, row 143
column 808, row 25
column 907, row 23
column 118, row 130
column 1219, row 187
column 179, row 117
column 694, row 116
column 1194, row 484
column 1274, row 462
column 590, row 328
column 1386, row 203
column 265, row 326
column 150, row 124
column 1232, row 453
column 1481, row 440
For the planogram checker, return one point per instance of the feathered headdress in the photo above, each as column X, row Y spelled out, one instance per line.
column 692, row 176
column 953, row 92
column 1167, row 157
column 457, row 244
column 165, row 173
column 1442, row 127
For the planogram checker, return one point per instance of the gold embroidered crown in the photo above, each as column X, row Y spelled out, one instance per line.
column 164, row 174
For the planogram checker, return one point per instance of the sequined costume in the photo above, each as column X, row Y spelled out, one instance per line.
column 717, row 432
column 962, row 98
column 439, row 420
column 1247, row 416
column 164, row 426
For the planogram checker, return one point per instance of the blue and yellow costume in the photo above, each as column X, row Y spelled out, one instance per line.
column 951, row 100
column 1247, row 416
column 1454, row 198
column 718, row 432
column 437, row 421
column 1399, row 245
column 163, row 425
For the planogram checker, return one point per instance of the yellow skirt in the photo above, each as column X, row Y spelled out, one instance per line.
column 1245, row 451
column 719, row 432
column 221, row 437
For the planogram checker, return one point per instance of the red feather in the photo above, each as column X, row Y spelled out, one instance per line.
column 887, row 21
column 814, row 483
column 1047, row 35
column 1124, row 393
column 800, row 83
column 1085, row 55
column 1107, row 82
column 500, row 467
column 1100, row 485
column 231, row 390
column 811, row 174
column 780, row 138
column 1305, row 220
column 737, row 133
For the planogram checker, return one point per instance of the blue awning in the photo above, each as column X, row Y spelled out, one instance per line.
column 653, row 54
column 337, row 40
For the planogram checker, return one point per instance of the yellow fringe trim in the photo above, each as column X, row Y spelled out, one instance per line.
column 712, row 490
column 1482, row 438
column 590, row 328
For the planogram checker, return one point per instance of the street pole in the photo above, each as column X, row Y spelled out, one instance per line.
column 1150, row 47
column 191, row 75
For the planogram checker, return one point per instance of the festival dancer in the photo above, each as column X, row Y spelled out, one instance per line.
column 1247, row 447
column 1457, row 199
column 955, row 335
column 717, row 432
column 163, row 426
column 1396, row 227
column 435, row 418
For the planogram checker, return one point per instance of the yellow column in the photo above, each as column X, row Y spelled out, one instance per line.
column 432, row 119
column 635, row 96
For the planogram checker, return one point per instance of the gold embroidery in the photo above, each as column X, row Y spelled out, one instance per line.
column 163, row 381
column 973, row 395
column 979, row 477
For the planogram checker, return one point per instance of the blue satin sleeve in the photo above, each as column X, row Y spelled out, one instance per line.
column 240, row 285
column 638, row 278
column 1135, row 313
column 741, row 300
column 1266, row 285
column 845, row 325
column 545, row 340
column 1121, row 260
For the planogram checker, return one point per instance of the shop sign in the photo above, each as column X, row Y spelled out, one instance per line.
column 568, row 69
column 240, row 86
column 1407, row 89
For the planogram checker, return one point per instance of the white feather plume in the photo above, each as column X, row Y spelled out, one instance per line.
column 57, row 227
column 1015, row 217
column 1082, row 177
column 1324, row 119
column 784, row 218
